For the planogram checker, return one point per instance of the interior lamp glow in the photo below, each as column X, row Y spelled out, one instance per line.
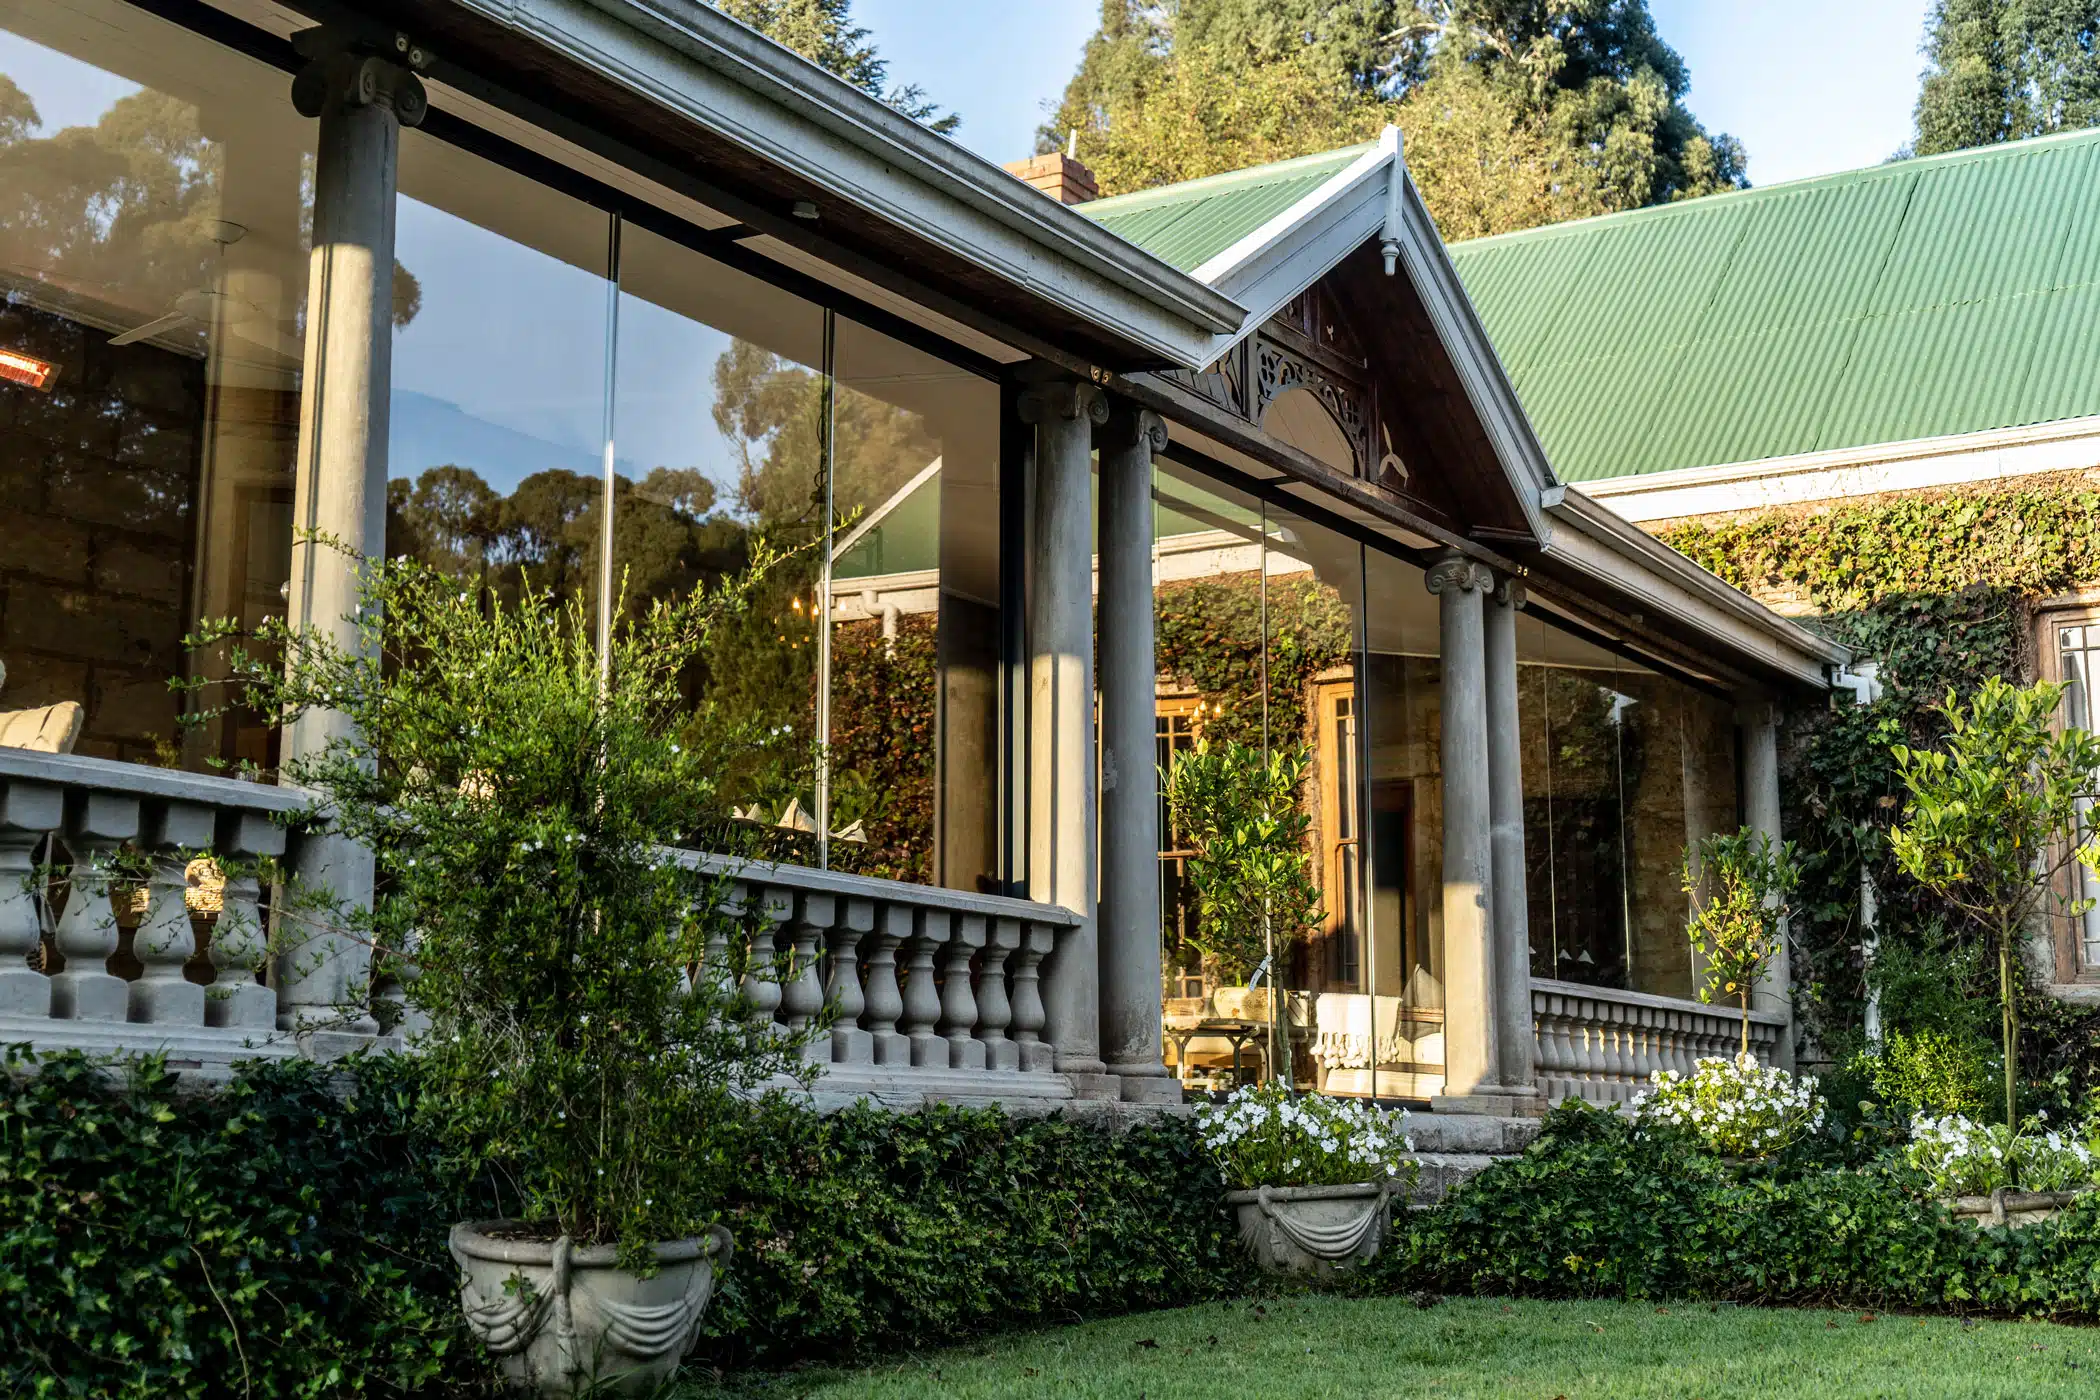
column 18, row 368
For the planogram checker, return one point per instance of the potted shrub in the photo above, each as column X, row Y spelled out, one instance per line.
column 1738, row 890
column 585, row 1042
column 1994, row 1175
column 1238, row 809
column 1737, row 1108
column 1311, row 1179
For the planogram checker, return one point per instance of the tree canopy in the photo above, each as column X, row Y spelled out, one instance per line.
column 2003, row 70
column 1516, row 112
column 823, row 32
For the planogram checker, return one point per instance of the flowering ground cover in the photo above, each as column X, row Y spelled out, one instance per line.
column 1334, row 1348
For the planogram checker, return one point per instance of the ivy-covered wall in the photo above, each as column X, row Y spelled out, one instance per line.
column 1939, row 587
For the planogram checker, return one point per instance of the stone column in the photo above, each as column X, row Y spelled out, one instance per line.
column 363, row 93
column 1510, row 903
column 1061, row 720
column 1471, row 1052
column 1759, row 718
column 1130, row 932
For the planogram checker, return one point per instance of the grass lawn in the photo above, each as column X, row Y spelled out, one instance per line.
column 1367, row 1349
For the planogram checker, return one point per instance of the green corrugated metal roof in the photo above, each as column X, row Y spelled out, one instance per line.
column 1189, row 224
column 1952, row 294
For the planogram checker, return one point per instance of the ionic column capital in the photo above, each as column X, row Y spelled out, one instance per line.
column 1509, row 592
column 1128, row 425
column 1063, row 400
column 346, row 70
column 1456, row 571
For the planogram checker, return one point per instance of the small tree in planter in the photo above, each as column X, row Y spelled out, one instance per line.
column 1995, row 815
column 586, row 1039
column 1239, row 810
column 1739, row 910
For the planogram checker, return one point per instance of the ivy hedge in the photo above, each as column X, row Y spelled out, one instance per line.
column 1939, row 587
column 284, row 1236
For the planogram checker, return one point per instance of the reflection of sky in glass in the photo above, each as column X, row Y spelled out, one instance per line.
column 66, row 91
column 502, row 370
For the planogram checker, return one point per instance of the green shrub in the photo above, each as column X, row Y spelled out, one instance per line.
column 1932, row 1071
column 865, row 1230
column 1597, row 1210
column 281, row 1237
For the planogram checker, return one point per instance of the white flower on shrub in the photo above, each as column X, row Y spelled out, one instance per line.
column 1270, row 1137
column 1737, row 1107
column 1965, row 1158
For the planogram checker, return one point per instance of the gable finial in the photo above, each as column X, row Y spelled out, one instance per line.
column 1396, row 184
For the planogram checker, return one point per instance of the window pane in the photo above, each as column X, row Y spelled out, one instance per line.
column 153, row 225
column 719, row 421
column 915, row 642
column 1403, row 700
column 497, row 434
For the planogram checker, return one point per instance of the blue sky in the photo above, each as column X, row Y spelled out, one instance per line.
column 1809, row 86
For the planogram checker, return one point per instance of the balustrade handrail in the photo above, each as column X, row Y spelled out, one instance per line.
column 138, row 780
column 875, row 887
column 1546, row 986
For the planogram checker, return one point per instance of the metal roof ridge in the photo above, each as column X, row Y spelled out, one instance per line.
column 1912, row 165
column 1211, row 184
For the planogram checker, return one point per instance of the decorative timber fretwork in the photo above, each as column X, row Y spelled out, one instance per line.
column 1305, row 345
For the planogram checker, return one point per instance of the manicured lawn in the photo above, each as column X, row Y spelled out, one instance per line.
column 1369, row 1349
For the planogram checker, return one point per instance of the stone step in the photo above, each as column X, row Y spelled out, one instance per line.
column 1470, row 1133
column 1441, row 1171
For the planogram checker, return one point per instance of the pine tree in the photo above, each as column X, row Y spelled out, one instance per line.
column 2003, row 70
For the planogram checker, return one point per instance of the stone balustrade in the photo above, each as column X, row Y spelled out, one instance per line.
column 934, row 993
column 1599, row 1044
column 159, row 953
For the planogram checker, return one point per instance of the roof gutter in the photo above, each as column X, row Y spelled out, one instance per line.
column 733, row 85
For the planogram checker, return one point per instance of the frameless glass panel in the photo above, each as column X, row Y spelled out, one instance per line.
column 2077, row 650
column 914, row 607
column 1625, row 770
column 1404, row 828
column 1207, row 616
column 502, row 319
column 1320, row 947
column 719, row 419
column 154, row 216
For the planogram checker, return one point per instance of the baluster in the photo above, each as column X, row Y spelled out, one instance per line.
column 714, row 971
column 97, row 823
column 1620, row 1043
column 958, row 1001
column 1036, row 1056
column 166, row 937
column 802, row 999
column 237, row 943
column 1645, row 1059
column 761, row 984
column 994, row 1011
column 1567, row 1041
column 885, row 1003
column 27, row 811
column 922, row 999
column 850, row 1044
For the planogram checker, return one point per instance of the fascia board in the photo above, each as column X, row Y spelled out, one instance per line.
column 733, row 85
column 1488, row 387
column 1597, row 543
column 1300, row 245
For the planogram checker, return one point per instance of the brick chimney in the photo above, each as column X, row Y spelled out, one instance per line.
column 1058, row 175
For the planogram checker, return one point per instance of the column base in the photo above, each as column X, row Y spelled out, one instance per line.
column 1494, row 1101
column 1155, row 1087
column 1094, row 1086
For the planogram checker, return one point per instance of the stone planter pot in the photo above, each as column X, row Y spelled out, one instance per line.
column 2013, row 1208
column 575, row 1324
column 1314, row 1230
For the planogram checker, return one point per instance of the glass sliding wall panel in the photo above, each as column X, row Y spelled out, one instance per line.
column 1624, row 770
column 719, row 420
column 154, row 208
column 915, row 622
column 502, row 324
column 1404, row 826
column 1209, row 648
column 1320, row 945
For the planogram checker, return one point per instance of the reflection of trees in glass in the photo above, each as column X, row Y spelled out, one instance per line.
column 1596, row 753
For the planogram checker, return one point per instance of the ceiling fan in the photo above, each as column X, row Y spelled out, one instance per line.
column 205, row 307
